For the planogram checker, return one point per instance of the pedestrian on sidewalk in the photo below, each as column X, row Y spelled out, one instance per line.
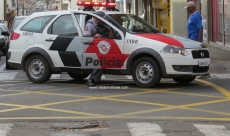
column 194, row 26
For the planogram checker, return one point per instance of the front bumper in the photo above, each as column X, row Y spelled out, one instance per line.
column 193, row 69
column 177, row 64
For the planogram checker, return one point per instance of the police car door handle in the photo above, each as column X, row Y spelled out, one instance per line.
column 88, row 43
column 49, row 40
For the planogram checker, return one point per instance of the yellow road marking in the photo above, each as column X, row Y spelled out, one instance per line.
column 13, row 105
column 219, row 88
column 193, row 94
column 67, row 111
column 172, row 107
column 209, row 111
column 64, row 102
column 168, row 107
column 13, row 109
column 136, row 102
column 15, row 94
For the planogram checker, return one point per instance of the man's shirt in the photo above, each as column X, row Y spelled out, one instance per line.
column 194, row 26
column 90, row 28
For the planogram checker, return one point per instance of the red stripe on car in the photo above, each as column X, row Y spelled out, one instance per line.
column 113, row 59
column 162, row 38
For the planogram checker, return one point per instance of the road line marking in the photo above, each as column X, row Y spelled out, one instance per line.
column 145, row 129
column 2, row 67
column 209, row 111
column 213, row 130
column 171, row 108
column 8, row 76
column 193, row 94
column 219, row 88
column 4, row 128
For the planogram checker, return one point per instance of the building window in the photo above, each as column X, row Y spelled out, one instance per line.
column 221, row 21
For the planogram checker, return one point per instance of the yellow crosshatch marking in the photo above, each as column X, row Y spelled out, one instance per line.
column 118, row 98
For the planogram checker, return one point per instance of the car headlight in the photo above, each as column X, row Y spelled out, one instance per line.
column 175, row 49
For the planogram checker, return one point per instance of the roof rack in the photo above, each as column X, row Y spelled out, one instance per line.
column 88, row 6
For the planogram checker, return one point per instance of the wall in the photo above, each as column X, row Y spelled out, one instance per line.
column 1, row 10
column 74, row 5
column 178, row 17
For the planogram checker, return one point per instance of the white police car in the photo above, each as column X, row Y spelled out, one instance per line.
column 52, row 42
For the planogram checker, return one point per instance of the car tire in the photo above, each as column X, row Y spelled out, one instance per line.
column 78, row 77
column 37, row 69
column 152, row 75
column 184, row 80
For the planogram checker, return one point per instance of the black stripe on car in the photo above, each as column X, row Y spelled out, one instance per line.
column 69, row 59
column 61, row 43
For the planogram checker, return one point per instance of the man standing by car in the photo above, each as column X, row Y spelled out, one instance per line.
column 95, row 27
column 195, row 27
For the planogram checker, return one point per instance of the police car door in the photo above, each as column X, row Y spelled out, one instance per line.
column 105, row 53
column 63, row 42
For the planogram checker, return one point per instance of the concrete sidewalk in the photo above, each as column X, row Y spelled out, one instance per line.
column 219, row 69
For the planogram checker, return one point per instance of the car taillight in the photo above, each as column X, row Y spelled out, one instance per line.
column 14, row 36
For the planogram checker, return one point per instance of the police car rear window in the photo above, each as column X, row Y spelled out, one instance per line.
column 37, row 24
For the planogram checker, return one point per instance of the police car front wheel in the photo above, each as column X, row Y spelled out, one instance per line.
column 146, row 72
column 37, row 69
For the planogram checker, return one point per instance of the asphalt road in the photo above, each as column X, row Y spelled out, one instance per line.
column 63, row 107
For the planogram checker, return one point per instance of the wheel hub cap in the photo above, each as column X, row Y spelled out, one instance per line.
column 144, row 72
column 36, row 69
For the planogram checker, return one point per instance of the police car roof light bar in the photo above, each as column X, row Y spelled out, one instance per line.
column 101, row 4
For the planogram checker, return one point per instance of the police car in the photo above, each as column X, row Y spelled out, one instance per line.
column 52, row 42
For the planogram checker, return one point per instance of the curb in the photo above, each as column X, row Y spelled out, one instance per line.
column 219, row 76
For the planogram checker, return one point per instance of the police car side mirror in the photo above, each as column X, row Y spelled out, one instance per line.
column 5, row 33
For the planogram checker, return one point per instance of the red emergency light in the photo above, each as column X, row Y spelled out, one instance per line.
column 100, row 4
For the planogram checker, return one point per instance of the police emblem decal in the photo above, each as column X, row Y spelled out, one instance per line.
column 103, row 47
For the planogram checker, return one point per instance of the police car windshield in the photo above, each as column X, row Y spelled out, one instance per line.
column 134, row 24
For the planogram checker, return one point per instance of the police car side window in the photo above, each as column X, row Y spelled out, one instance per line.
column 37, row 25
column 63, row 26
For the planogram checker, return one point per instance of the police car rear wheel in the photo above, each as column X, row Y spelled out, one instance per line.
column 78, row 77
column 184, row 80
column 37, row 69
column 146, row 72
